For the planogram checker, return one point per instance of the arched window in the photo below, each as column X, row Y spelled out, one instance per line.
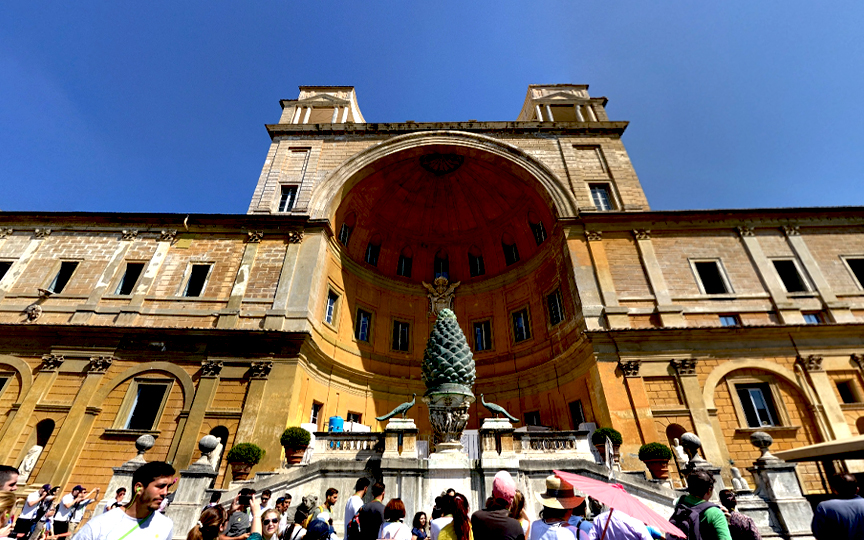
column 44, row 429
column 373, row 249
column 442, row 264
column 403, row 267
column 475, row 262
column 511, row 252
column 537, row 228
column 347, row 228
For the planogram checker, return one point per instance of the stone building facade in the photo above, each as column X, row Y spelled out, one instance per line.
column 579, row 301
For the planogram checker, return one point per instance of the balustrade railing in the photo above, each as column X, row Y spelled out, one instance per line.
column 357, row 445
column 546, row 442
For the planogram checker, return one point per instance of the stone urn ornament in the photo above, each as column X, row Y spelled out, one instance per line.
column 295, row 441
column 656, row 457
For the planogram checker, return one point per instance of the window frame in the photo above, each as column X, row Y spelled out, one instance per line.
column 55, row 274
column 282, row 190
column 721, row 269
column 560, row 296
column 614, row 204
column 316, row 415
column 358, row 416
column 581, row 408
column 372, row 254
column 5, row 381
column 491, row 347
column 8, row 271
column 808, row 287
column 334, row 314
column 538, row 229
column 734, row 316
column 820, row 318
column 356, row 329
column 406, row 321
column 732, row 383
column 845, row 259
column 524, row 308
column 400, row 267
column 127, row 406
column 505, row 248
column 853, row 389
column 187, row 275
column 118, row 281
column 345, row 231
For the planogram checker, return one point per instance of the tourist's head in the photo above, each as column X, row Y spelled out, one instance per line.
column 270, row 523
column 727, row 498
column 419, row 520
column 700, row 484
column 559, row 495
column 377, row 490
column 503, row 487
column 331, row 496
column 120, row 493
column 844, row 485
column 7, row 504
column 77, row 490
column 362, row 484
column 8, row 478
column 318, row 530
column 518, row 505
column 210, row 524
column 265, row 497
column 395, row 510
column 150, row 483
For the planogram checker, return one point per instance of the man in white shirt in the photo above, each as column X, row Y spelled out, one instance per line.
column 140, row 519
column 64, row 510
column 80, row 507
column 27, row 519
column 355, row 502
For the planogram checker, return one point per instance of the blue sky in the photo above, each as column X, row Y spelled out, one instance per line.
column 161, row 106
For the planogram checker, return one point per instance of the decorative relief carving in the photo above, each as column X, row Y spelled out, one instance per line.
column 810, row 363
column 254, row 237
column 791, row 230
column 211, row 368
column 41, row 233
column 167, row 235
column 858, row 359
column 295, row 237
column 630, row 368
column 441, row 294
column 128, row 234
column 33, row 312
column 260, row 370
column 441, row 164
column 4, row 233
column 746, row 230
column 684, row 367
column 99, row 364
column 642, row 234
column 51, row 362
column 593, row 236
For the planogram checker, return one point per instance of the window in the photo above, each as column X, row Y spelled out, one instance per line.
column 789, row 275
column 364, row 325
column 483, row 336
column 442, row 265
column 521, row 326
column 197, row 280
column 401, row 333
column 130, row 278
column 67, row 268
column 347, row 228
column 316, row 412
column 4, row 381
column 511, row 252
column 403, row 267
column 577, row 414
column 556, row 307
column 146, row 406
column 846, row 390
column 330, row 310
column 730, row 320
column 855, row 265
column 602, row 197
column 758, row 404
column 475, row 262
column 563, row 113
column 355, row 417
column 373, row 249
column 711, row 277
column 287, row 198
column 532, row 418
column 537, row 228
column 4, row 267
column 813, row 318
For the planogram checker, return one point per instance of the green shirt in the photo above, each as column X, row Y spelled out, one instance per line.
column 714, row 516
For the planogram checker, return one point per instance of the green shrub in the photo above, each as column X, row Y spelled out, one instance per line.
column 248, row 453
column 654, row 450
column 295, row 437
column 599, row 436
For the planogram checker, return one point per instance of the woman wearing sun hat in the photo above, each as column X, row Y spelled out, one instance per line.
column 558, row 502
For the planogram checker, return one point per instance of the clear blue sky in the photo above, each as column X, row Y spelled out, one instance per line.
column 160, row 106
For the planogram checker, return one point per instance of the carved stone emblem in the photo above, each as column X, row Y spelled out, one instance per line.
column 858, row 359
column 594, row 236
column 4, row 233
column 33, row 312
column 260, row 370
column 211, row 368
column 254, row 237
column 41, row 233
column 295, row 237
column 441, row 164
column 642, row 234
column 684, row 367
column 51, row 362
column 441, row 294
column 167, row 235
column 100, row 364
column 791, row 230
column 630, row 368
column 810, row 363
column 129, row 234
column 745, row 230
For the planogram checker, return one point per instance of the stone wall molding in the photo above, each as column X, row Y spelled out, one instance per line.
column 4, row 233
column 41, row 233
column 295, row 237
column 630, row 368
column 167, row 235
column 254, row 237
column 51, row 362
column 211, row 368
column 186, row 384
column 642, row 234
column 100, row 364
column 24, row 370
column 724, row 369
column 745, row 230
column 593, row 236
column 810, row 363
column 260, row 370
column 128, row 234
column 685, row 367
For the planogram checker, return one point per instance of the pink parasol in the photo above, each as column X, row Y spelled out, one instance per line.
column 616, row 498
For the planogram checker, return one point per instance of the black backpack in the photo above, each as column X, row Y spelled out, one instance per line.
column 686, row 518
column 354, row 527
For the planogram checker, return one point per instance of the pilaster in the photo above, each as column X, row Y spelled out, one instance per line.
column 129, row 313
column 259, row 371
column 84, row 311
column 635, row 387
column 586, row 282
column 789, row 314
column 17, row 420
column 823, row 386
column 229, row 316
column 708, row 432
column 670, row 314
column 207, row 384
column 616, row 315
column 275, row 317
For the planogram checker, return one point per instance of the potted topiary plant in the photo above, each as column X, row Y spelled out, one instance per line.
column 656, row 457
column 242, row 457
column 598, row 439
column 294, row 440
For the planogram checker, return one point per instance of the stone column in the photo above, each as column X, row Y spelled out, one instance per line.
column 712, row 440
column 670, row 314
column 229, row 316
column 635, row 387
column 189, row 497
column 835, row 420
column 789, row 314
column 123, row 474
column 207, row 384
column 616, row 316
column 17, row 420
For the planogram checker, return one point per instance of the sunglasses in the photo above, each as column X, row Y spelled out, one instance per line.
column 274, row 521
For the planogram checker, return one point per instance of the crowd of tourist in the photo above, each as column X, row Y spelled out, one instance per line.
column 46, row 514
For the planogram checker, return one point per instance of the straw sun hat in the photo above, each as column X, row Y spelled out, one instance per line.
column 558, row 494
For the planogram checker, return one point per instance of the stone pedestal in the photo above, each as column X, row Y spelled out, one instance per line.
column 400, row 439
column 191, row 493
column 496, row 439
column 123, row 474
column 446, row 470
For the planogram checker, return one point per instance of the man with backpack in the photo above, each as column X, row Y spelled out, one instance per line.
column 695, row 516
column 371, row 515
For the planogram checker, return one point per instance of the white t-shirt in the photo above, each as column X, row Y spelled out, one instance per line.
column 31, row 506
column 395, row 530
column 78, row 510
column 115, row 524
column 64, row 509
column 354, row 503
column 540, row 530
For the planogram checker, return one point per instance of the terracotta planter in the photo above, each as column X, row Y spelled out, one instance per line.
column 659, row 468
column 293, row 456
column 239, row 471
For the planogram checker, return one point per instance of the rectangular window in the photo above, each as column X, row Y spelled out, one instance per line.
column 197, row 280
column 602, row 197
column 813, row 318
column 401, row 335
column 556, row 308
column 857, row 268
column 130, row 278
column 532, row 418
column 789, row 275
column 511, row 253
column 403, row 268
column 475, row 265
column 730, row 320
column 355, row 417
column 758, row 404
column 521, row 325
column 330, row 311
column 847, row 391
column 372, row 252
column 287, row 198
column 577, row 414
column 147, row 407
column 67, row 268
column 711, row 278
column 364, row 325
column 344, row 234
column 483, row 336
column 316, row 412
column 539, row 232
column 4, row 268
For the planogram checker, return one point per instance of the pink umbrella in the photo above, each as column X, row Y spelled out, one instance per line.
column 616, row 498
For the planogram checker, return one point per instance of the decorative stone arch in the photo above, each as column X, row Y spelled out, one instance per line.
column 186, row 384
column 336, row 185
column 25, row 372
column 721, row 371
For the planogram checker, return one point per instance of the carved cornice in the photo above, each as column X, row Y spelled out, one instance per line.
column 858, row 359
column 791, row 230
column 128, row 234
column 594, row 236
column 211, row 368
column 41, row 233
column 685, row 367
column 810, row 363
column 745, row 230
column 167, row 235
column 260, row 370
column 254, row 237
column 4, row 233
column 642, row 234
column 51, row 362
column 99, row 364
column 630, row 368
column 295, row 237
